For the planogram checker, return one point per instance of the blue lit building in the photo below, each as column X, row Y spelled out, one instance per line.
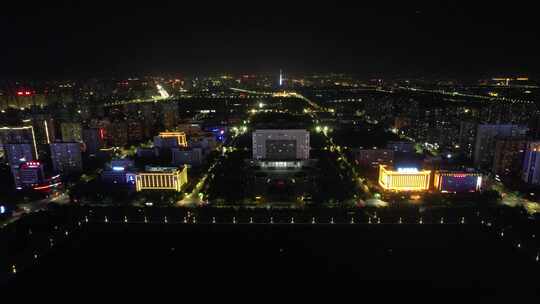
column 219, row 132
column 531, row 164
column 456, row 182
column 120, row 172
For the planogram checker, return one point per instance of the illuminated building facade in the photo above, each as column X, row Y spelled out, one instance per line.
column 71, row 132
column 404, row 179
column 66, row 157
column 120, row 172
column 43, row 128
column 19, row 135
column 170, row 140
column 30, row 174
column 531, row 164
column 18, row 154
column 162, row 178
column 454, row 182
column 286, row 144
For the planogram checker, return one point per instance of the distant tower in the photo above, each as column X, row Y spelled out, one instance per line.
column 280, row 78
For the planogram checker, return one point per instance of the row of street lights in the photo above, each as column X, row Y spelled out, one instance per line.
column 191, row 219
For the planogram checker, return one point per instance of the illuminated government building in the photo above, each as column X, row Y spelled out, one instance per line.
column 286, row 144
column 454, row 182
column 162, row 178
column 170, row 140
column 281, row 165
column 404, row 179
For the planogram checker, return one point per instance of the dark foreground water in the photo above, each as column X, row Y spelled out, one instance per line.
column 364, row 261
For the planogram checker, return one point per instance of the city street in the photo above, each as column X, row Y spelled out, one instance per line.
column 28, row 208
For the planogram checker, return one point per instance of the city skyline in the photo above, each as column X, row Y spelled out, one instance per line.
column 219, row 144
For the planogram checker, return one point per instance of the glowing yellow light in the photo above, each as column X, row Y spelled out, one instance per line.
column 180, row 137
column 162, row 180
column 404, row 180
column 47, row 132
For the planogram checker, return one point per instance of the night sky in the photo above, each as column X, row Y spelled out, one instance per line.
column 450, row 38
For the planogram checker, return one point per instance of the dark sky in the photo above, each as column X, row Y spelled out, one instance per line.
column 453, row 38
